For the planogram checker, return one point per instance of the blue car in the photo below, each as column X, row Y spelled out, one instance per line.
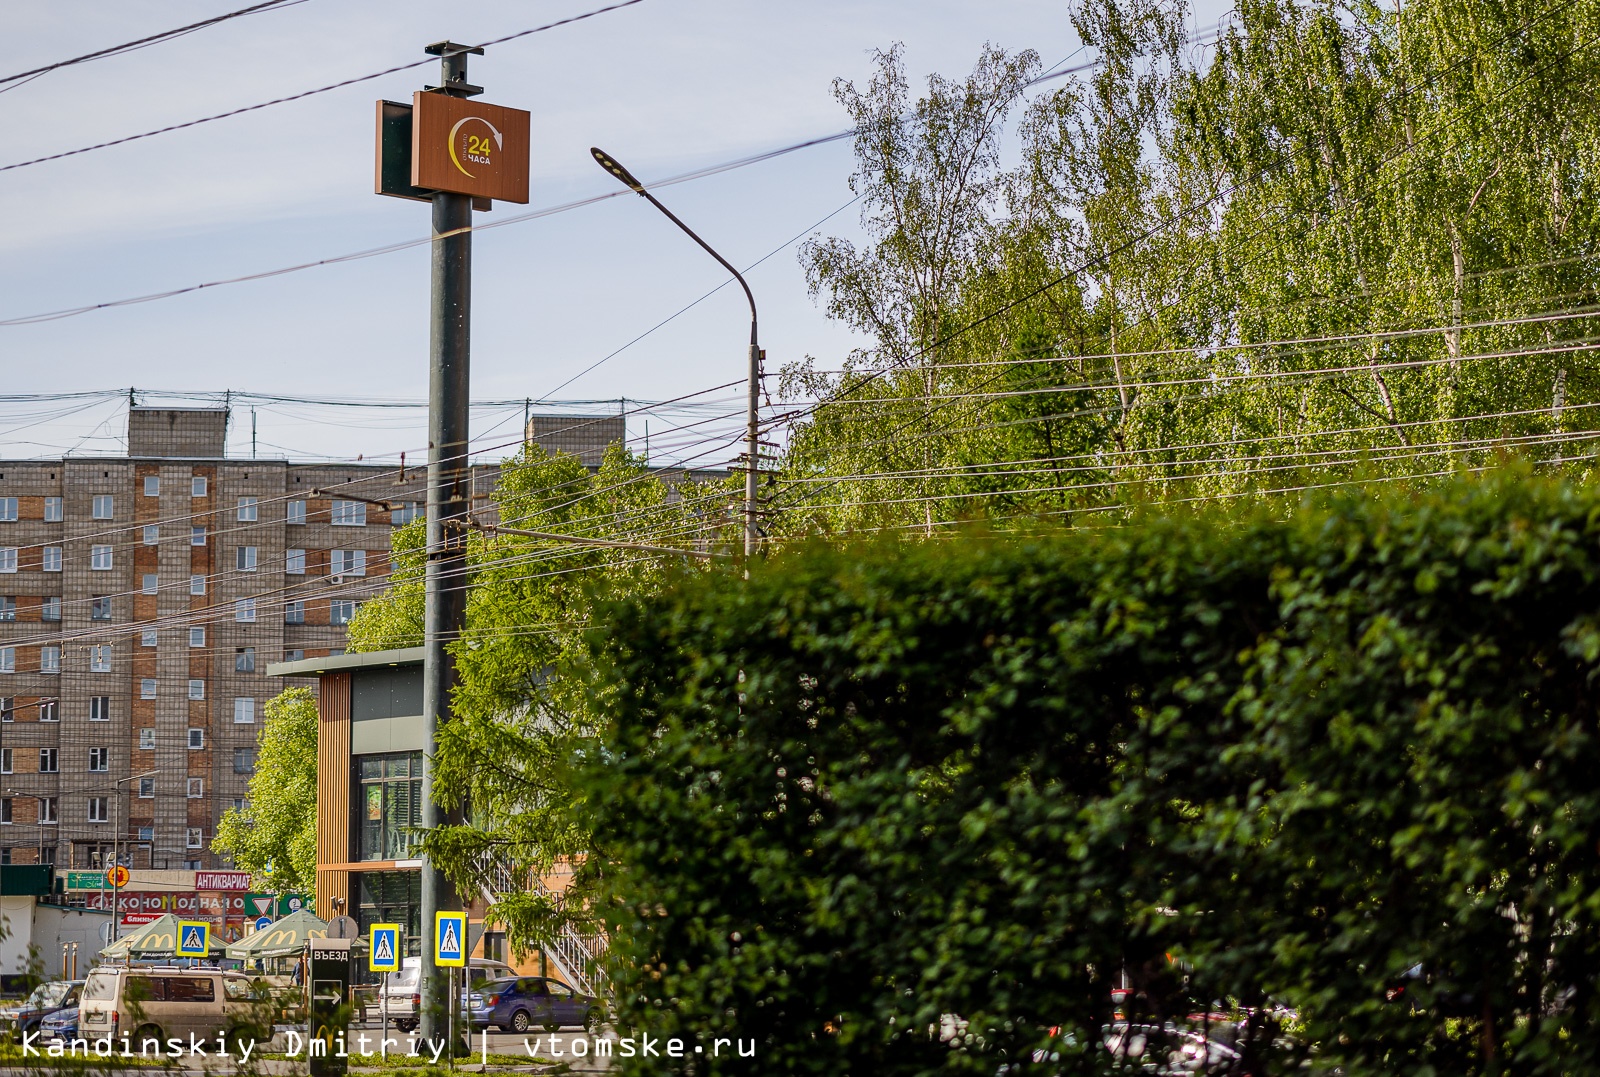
column 517, row 1004
column 61, row 1025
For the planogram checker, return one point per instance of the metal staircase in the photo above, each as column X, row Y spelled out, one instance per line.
column 576, row 956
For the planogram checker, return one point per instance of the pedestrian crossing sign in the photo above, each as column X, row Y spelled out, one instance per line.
column 194, row 939
column 383, row 951
column 449, row 939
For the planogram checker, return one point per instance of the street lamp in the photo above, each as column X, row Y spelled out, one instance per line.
column 752, row 432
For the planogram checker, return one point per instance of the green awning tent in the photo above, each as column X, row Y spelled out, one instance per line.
column 158, row 938
column 282, row 938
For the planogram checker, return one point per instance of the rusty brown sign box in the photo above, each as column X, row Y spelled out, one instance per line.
column 469, row 147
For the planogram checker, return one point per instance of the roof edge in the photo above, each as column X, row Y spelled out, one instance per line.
column 340, row 663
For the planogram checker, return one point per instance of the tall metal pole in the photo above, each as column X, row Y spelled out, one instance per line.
column 445, row 581
column 753, row 405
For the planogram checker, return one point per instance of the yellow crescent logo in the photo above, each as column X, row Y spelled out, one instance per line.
column 498, row 141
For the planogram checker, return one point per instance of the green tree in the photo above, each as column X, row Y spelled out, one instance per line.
column 274, row 836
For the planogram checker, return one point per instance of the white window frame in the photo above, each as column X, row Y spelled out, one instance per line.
column 294, row 612
column 347, row 563
column 47, row 810
column 6, row 760
column 249, row 509
column 244, row 558
column 294, row 562
column 49, row 760
column 244, row 610
column 341, row 611
column 50, row 604
column 197, row 635
column 345, row 513
column 50, row 658
column 195, row 837
column 100, row 658
column 50, row 559
column 152, row 534
column 197, row 788
column 197, row 486
column 8, row 558
column 98, row 812
column 197, row 739
column 148, row 637
column 197, row 688
column 295, row 513
column 147, row 687
column 49, row 709
column 149, row 583
column 244, row 710
column 100, row 558
column 99, row 708
column 8, row 659
column 102, row 507
column 244, row 660
column 54, row 510
column 197, row 536
column 147, row 740
column 144, row 784
column 152, row 486
column 8, row 510
column 101, row 756
column 197, row 584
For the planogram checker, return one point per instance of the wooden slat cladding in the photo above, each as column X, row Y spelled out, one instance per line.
column 333, row 790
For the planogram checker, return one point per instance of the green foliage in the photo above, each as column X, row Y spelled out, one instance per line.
column 278, row 825
column 1343, row 240
column 1243, row 758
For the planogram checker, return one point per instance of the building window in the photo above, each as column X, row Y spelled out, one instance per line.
column 197, row 585
column 294, row 562
column 100, row 658
column 100, row 507
column 147, row 637
column 8, row 558
column 247, row 509
column 52, row 510
column 405, row 512
column 49, row 710
column 197, row 536
column 8, row 709
column 50, row 559
column 197, row 636
column 147, row 742
column 197, row 788
column 390, row 804
column 295, row 513
column 147, row 688
column 47, row 814
column 244, row 558
column 349, row 514
column 197, row 739
column 8, row 659
column 152, row 534
column 294, row 613
column 244, row 660
column 244, row 760
column 244, row 711
column 197, row 486
column 50, row 608
column 100, row 608
column 150, row 583
column 294, row 654
column 5, row 760
column 100, row 558
column 347, row 562
column 8, row 510
column 147, row 788
column 340, row 610
column 152, row 486
column 99, row 708
column 238, row 803
column 99, row 759
column 147, row 833
column 244, row 610
column 8, row 609
column 49, row 760
column 195, row 838
column 197, row 689
column 5, row 811
column 50, row 658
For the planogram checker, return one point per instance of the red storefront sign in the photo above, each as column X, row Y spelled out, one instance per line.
column 222, row 880
column 155, row 903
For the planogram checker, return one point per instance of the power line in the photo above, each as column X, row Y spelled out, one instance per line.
column 143, row 42
column 308, row 93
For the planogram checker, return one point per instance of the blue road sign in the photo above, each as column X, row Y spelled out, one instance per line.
column 449, row 939
column 263, row 921
column 383, row 950
column 194, row 939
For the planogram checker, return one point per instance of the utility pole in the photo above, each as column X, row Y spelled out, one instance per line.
column 445, row 581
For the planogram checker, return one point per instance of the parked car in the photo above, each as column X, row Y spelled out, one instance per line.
column 155, row 1003
column 518, row 1003
column 46, row 999
column 61, row 1025
column 401, row 989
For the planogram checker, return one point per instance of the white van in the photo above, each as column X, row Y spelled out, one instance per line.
column 401, row 988
column 161, row 1002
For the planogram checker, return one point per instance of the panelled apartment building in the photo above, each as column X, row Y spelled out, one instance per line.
column 141, row 599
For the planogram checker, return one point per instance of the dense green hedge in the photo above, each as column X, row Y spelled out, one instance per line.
column 1238, row 758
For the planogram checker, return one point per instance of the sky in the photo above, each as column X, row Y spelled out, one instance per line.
column 665, row 86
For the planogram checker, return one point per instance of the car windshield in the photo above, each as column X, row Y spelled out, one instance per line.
column 101, row 985
column 49, row 994
column 494, row 987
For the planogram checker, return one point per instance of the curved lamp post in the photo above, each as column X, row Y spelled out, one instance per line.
column 752, row 429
